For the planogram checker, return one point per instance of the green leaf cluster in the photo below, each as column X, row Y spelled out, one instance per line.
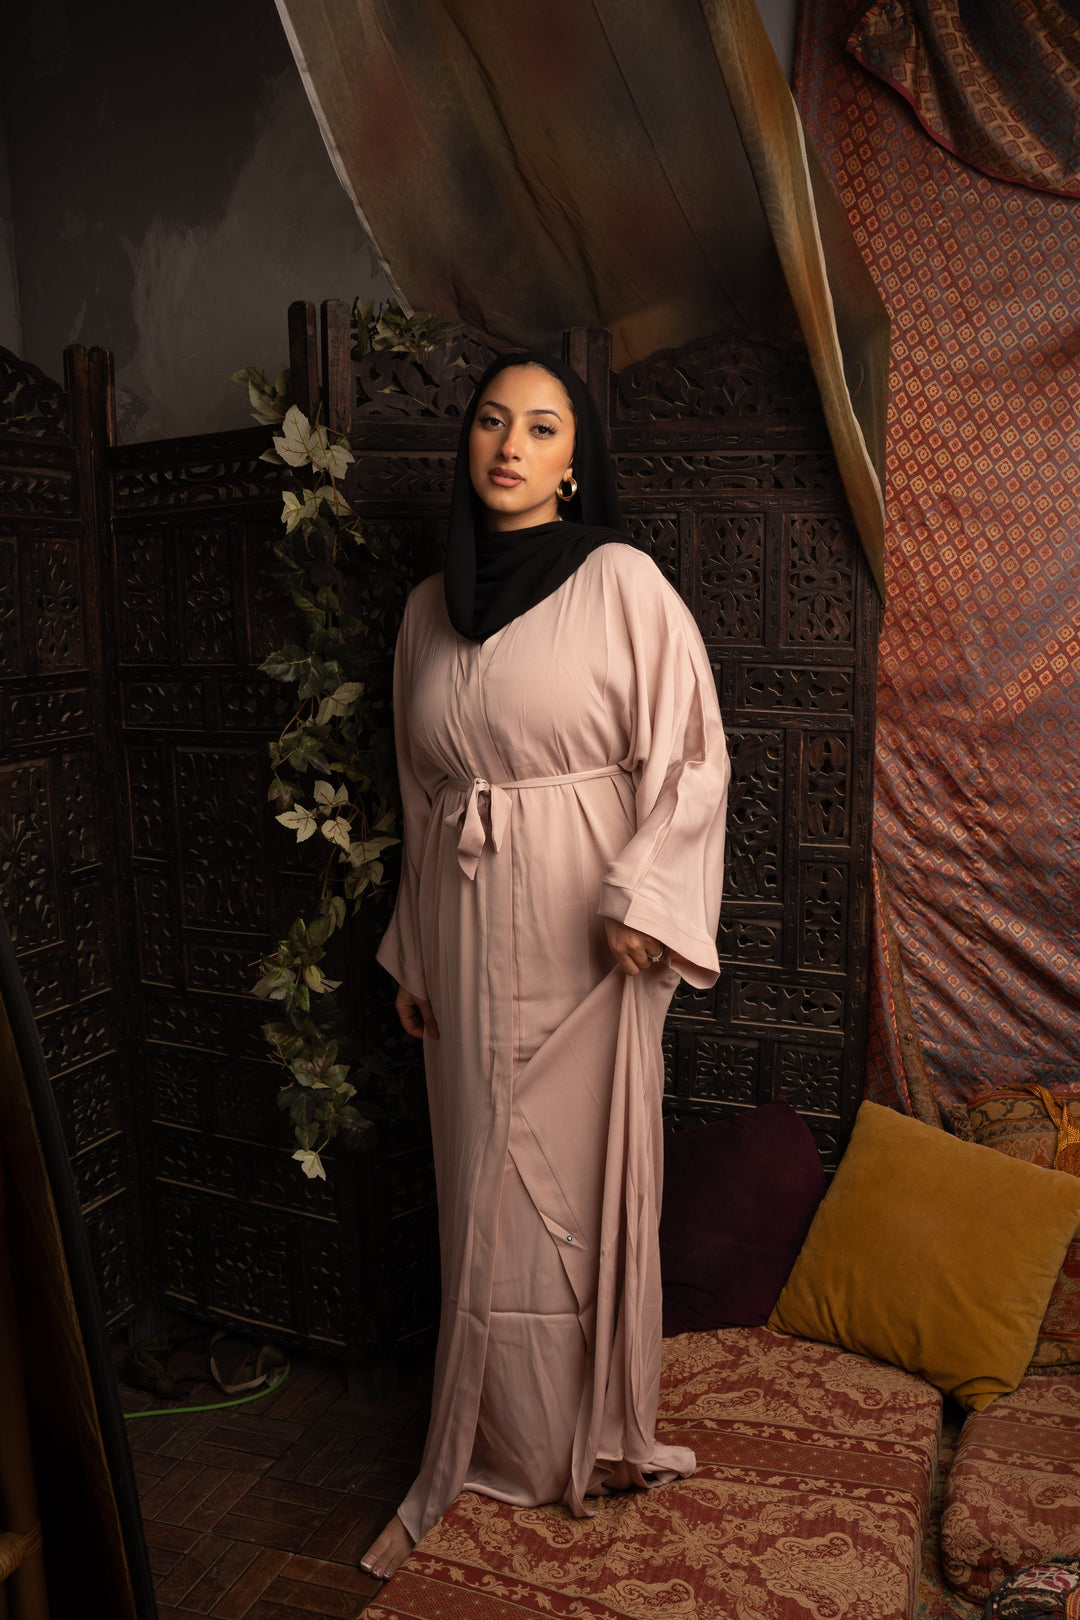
column 334, row 779
column 390, row 328
column 269, row 400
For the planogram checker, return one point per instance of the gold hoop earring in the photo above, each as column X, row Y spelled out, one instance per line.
column 573, row 488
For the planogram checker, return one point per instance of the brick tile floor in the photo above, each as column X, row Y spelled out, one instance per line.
column 261, row 1512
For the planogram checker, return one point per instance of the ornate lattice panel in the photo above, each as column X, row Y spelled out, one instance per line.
column 152, row 876
column 239, row 1234
column 57, row 795
column 724, row 462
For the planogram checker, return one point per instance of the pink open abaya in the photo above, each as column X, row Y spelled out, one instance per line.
column 569, row 767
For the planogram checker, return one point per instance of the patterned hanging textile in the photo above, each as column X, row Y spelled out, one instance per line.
column 977, row 755
column 997, row 82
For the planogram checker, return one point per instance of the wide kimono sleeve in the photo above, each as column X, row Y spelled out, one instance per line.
column 400, row 951
column 667, row 881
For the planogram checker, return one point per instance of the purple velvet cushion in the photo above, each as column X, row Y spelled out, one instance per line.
column 739, row 1196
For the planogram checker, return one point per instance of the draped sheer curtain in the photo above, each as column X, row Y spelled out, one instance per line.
column 595, row 163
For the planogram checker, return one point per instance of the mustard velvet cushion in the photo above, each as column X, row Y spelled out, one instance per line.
column 934, row 1254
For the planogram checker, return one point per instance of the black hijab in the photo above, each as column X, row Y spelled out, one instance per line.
column 492, row 578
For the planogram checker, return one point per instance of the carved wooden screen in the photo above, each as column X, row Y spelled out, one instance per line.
column 58, row 793
column 725, row 464
column 239, row 1234
column 136, row 726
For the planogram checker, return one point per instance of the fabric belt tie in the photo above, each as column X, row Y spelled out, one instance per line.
column 473, row 834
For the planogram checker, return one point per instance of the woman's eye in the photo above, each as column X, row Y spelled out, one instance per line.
column 544, row 429
column 490, row 421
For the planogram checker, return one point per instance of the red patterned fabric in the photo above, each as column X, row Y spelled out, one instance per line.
column 997, row 83
column 809, row 1502
column 1018, row 1123
column 1013, row 1496
column 977, row 756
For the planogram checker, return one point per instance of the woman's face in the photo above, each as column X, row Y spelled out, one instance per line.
column 521, row 447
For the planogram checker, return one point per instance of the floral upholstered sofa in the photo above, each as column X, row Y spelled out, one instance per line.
column 810, row 1499
column 815, row 1464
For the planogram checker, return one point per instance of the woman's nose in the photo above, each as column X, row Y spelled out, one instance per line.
column 509, row 445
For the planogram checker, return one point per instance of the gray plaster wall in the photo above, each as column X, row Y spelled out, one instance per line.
column 171, row 196
column 10, row 326
column 781, row 19
column 164, row 191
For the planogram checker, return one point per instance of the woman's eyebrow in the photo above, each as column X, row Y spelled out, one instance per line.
column 541, row 410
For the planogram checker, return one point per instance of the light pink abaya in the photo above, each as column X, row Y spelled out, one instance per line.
column 570, row 767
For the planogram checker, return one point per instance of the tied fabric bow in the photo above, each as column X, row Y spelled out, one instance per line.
column 469, row 822
column 473, row 834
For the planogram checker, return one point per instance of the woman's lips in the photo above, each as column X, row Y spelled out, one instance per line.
column 507, row 480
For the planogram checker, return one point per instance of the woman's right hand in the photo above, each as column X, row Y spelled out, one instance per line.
column 416, row 1016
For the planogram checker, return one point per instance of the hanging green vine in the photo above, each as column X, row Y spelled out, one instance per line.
column 333, row 763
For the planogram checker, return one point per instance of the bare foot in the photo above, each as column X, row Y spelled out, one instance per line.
column 388, row 1552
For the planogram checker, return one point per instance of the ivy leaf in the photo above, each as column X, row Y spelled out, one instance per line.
column 286, row 664
column 264, row 397
column 336, row 830
column 297, row 509
column 346, row 743
column 284, row 1039
column 317, row 1073
column 369, row 850
column 273, row 986
column 310, row 1164
column 262, row 407
column 300, row 819
column 333, row 498
column 335, row 458
column 326, row 795
column 294, row 444
column 309, row 751
column 339, row 702
column 302, row 1107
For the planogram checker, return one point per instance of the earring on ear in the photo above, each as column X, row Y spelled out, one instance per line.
column 572, row 481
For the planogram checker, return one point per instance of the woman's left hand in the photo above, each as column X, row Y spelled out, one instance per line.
column 631, row 949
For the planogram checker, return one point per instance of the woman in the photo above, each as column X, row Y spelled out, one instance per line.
column 564, row 778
